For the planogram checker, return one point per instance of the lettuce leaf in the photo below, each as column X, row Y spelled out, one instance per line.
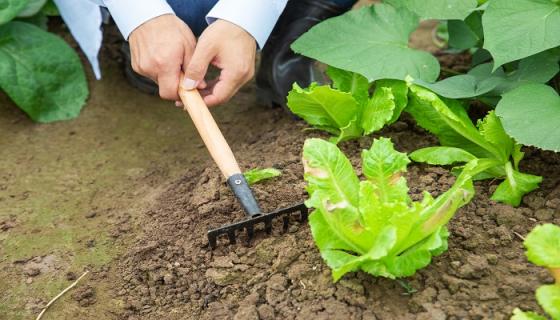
column 346, row 109
column 543, row 246
column 543, row 249
column 257, row 175
column 373, row 225
column 462, row 142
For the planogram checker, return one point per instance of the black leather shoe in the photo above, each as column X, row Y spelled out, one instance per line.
column 138, row 81
column 280, row 67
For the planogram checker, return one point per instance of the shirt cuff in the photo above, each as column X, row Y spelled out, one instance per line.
column 130, row 14
column 257, row 17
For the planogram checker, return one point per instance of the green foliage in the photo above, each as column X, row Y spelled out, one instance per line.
column 517, row 29
column 543, row 246
column 9, row 9
column 526, row 106
column 515, row 44
column 38, row 70
column 32, row 8
column 462, row 141
column 257, row 175
column 518, row 314
column 371, row 41
column 41, row 73
column 373, row 225
column 437, row 9
column 346, row 109
column 543, row 249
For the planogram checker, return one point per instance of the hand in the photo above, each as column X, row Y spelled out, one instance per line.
column 159, row 47
column 231, row 49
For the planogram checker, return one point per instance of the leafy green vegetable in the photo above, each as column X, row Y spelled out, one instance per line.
column 437, row 9
column 526, row 315
column 462, row 141
column 372, row 41
column 482, row 81
column 543, row 249
column 32, row 8
column 548, row 297
column 543, row 246
column 528, row 107
column 41, row 73
column 347, row 111
column 373, row 225
column 257, row 175
column 9, row 9
column 517, row 29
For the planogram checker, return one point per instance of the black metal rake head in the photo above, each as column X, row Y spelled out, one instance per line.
column 251, row 221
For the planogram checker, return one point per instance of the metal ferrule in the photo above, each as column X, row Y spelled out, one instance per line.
column 243, row 193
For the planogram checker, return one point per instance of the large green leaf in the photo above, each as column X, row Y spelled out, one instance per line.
column 515, row 29
column 482, row 81
column 9, row 9
column 548, row 297
column 543, row 246
column 41, row 73
column 371, row 41
column 531, row 115
column 32, row 8
column 437, row 9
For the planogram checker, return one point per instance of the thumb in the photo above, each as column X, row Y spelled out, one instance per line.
column 198, row 66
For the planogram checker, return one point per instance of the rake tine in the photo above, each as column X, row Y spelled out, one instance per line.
column 231, row 236
column 250, row 232
column 303, row 213
column 212, row 239
column 268, row 226
column 286, row 222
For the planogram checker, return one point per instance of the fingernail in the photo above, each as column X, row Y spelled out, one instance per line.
column 178, row 104
column 189, row 84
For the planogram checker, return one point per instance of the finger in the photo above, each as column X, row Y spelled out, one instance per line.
column 227, row 85
column 198, row 65
column 179, row 104
column 202, row 85
column 168, row 84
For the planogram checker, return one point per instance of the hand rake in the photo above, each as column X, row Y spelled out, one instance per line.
column 224, row 158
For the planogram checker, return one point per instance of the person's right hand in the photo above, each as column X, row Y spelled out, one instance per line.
column 159, row 48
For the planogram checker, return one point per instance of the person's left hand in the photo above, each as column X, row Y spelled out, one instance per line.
column 231, row 49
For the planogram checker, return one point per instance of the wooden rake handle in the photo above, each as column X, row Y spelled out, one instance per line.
column 209, row 132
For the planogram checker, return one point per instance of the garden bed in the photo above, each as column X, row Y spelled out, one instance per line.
column 170, row 271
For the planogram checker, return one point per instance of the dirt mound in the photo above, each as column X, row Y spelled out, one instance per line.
column 171, row 273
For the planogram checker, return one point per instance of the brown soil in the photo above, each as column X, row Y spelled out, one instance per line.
column 171, row 273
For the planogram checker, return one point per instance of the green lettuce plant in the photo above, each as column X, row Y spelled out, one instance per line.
column 543, row 249
column 462, row 142
column 373, row 225
column 346, row 109
column 39, row 71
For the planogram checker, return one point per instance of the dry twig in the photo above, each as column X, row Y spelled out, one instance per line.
column 60, row 295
